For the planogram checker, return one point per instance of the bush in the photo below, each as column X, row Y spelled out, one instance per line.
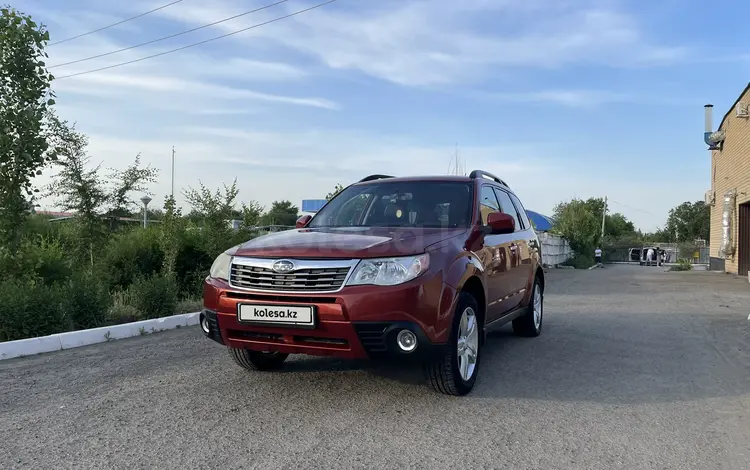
column 580, row 261
column 122, row 309
column 87, row 301
column 189, row 306
column 682, row 265
column 154, row 297
column 130, row 255
column 191, row 265
column 31, row 309
column 51, row 263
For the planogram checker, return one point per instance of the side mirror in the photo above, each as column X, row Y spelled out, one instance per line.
column 303, row 221
column 500, row 223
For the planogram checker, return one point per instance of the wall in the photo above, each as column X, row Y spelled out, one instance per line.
column 555, row 249
column 730, row 169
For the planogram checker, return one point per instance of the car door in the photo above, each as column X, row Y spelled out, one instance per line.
column 495, row 257
column 530, row 249
column 519, row 255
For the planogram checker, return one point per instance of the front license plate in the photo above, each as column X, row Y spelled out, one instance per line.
column 292, row 315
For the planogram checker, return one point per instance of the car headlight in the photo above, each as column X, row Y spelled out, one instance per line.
column 220, row 267
column 389, row 271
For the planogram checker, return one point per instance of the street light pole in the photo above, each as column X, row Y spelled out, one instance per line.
column 145, row 200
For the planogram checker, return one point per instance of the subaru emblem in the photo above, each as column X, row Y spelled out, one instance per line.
column 283, row 266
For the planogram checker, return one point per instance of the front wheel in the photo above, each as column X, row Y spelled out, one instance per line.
column 530, row 323
column 456, row 372
column 258, row 360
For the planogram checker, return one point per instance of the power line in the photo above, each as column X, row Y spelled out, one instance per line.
column 115, row 24
column 633, row 208
column 197, row 43
column 169, row 37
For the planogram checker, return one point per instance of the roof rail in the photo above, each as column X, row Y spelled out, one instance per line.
column 374, row 177
column 481, row 174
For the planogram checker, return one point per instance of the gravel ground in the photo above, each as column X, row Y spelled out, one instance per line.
column 636, row 368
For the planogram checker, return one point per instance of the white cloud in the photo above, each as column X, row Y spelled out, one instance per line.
column 163, row 84
column 436, row 42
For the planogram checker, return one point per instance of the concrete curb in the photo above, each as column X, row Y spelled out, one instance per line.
column 76, row 339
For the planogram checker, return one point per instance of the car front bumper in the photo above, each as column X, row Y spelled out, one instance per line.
column 357, row 322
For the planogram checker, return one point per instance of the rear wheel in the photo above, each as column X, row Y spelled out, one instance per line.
column 258, row 360
column 456, row 372
column 530, row 323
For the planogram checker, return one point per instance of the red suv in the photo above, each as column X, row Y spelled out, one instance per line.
column 419, row 268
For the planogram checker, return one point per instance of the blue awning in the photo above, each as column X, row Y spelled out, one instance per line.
column 541, row 223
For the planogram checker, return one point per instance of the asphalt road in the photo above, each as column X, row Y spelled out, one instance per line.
column 636, row 368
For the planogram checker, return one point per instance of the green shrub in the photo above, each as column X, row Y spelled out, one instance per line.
column 189, row 306
column 130, row 255
column 154, row 297
column 682, row 265
column 30, row 309
column 192, row 264
column 87, row 301
column 122, row 309
column 580, row 261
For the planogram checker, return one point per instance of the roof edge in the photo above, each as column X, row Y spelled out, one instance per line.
column 723, row 120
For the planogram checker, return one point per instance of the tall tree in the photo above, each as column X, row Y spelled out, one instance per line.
column 213, row 211
column 134, row 179
column 578, row 222
column 80, row 188
column 25, row 102
column 281, row 213
column 689, row 221
column 251, row 214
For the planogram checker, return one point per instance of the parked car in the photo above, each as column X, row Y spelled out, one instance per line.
column 406, row 268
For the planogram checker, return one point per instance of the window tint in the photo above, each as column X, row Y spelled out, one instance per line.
column 506, row 205
column 487, row 203
column 521, row 211
column 399, row 204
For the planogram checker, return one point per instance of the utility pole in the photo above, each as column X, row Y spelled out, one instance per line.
column 604, row 215
column 172, row 172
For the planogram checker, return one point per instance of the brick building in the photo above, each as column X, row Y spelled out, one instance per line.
column 729, row 196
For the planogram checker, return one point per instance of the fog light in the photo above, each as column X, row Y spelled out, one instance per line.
column 204, row 325
column 406, row 340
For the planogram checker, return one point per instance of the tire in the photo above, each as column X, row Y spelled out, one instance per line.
column 444, row 373
column 258, row 360
column 529, row 324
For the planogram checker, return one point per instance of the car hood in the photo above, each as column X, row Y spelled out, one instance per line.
column 346, row 242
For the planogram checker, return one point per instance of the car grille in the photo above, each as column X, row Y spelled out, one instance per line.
column 301, row 280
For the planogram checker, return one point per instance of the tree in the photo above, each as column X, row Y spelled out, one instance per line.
column 25, row 103
column 76, row 188
column 618, row 226
column 337, row 189
column 171, row 227
column 133, row 179
column 689, row 221
column 579, row 224
column 251, row 214
column 213, row 211
column 281, row 213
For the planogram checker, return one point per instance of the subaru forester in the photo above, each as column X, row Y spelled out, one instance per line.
column 408, row 268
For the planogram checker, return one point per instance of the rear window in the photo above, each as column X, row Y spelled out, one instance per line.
column 399, row 204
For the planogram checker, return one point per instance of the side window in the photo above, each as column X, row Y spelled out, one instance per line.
column 506, row 205
column 521, row 211
column 487, row 203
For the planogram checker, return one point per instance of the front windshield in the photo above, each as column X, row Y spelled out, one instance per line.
column 399, row 204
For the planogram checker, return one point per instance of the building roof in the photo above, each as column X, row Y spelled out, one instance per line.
column 739, row 97
column 541, row 223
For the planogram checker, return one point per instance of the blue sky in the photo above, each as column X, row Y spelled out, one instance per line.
column 562, row 98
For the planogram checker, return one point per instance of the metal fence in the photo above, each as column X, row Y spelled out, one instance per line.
column 555, row 249
column 674, row 252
